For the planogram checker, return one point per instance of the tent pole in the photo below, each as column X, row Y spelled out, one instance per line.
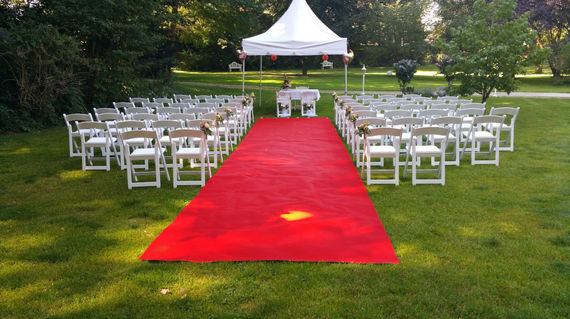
column 345, row 79
column 243, row 78
column 260, row 76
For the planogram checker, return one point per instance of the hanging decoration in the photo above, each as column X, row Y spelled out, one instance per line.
column 273, row 57
column 348, row 57
column 241, row 55
column 325, row 57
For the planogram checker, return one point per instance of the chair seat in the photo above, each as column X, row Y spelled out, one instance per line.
column 383, row 150
column 143, row 153
column 188, row 152
column 165, row 140
column 427, row 150
column 98, row 141
column 484, row 136
column 138, row 141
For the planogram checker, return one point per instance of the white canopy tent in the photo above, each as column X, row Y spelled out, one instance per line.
column 297, row 33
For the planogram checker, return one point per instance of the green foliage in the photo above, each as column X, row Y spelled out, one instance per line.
column 444, row 64
column 40, row 70
column 405, row 70
column 391, row 31
column 492, row 48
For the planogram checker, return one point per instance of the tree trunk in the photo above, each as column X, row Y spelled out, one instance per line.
column 485, row 94
column 304, row 65
column 553, row 68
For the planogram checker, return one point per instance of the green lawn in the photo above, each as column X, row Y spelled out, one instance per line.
column 492, row 243
column 376, row 79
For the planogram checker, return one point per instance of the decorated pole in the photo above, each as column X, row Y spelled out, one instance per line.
column 346, row 59
column 242, row 55
column 363, row 74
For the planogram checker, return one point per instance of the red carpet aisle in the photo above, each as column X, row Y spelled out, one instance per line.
column 289, row 192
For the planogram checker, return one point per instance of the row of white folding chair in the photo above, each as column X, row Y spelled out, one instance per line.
column 385, row 143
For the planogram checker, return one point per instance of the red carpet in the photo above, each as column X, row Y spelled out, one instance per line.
column 289, row 192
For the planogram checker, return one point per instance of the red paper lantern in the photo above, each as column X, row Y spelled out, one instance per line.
column 273, row 57
column 325, row 57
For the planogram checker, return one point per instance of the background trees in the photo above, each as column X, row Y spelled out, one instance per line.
column 491, row 48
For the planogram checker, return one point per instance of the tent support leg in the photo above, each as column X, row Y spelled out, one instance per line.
column 260, row 77
column 243, row 78
column 345, row 79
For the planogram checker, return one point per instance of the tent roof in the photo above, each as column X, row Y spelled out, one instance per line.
column 297, row 32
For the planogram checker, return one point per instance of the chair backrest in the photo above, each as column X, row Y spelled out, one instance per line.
column 509, row 112
column 391, row 114
column 470, row 112
column 163, row 100
column 153, row 105
column 144, row 117
column 180, row 105
column 104, row 110
column 463, row 101
column 472, row 106
column 131, row 124
column 447, row 120
column 215, row 101
column 224, row 97
column 91, row 126
column 140, row 100
column 372, row 121
column 385, row 97
column 202, row 97
column 167, row 110
column 148, row 134
column 387, row 131
column 137, row 110
column 77, row 117
column 197, row 123
column 429, row 114
column 384, row 106
column 165, row 125
column 123, row 105
column 192, row 102
column 430, row 130
column 180, row 97
column 442, row 106
column 181, row 117
column 110, row 117
column 365, row 113
column 408, row 121
column 185, row 132
column 484, row 119
column 360, row 98
column 206, row 105
column 408, row 106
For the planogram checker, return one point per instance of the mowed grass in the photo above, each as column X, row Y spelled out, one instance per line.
column 376, row 79
column 492, row 243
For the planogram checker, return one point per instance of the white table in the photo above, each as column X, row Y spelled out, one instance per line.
column 295, row 94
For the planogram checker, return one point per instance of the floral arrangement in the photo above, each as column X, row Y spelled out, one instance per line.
column 363, row 129
column 353, row 117
column 282, row 106
column 218, row 119
column 229, row 112
column 247, row 99
column 348, row 111
column 205, row 128
column 307, row 106
column 335, row 97
column 286, row 83
column 341, row 104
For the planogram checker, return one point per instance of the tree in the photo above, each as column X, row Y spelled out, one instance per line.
column 549, row 18
column 392, row 31
column 492, row 48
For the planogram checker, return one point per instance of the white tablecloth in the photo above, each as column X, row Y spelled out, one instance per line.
column 295, row 94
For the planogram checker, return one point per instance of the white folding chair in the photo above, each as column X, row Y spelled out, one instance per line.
column 484, row 130
column 221, row 130
column 453, row 123
column 371, row 122
column 283, row 106
column 211, row 140
column 407, row 124
column 162, row 127
column 139, row 100
column 430, row 149
column 510, row 114
column 150, row 151
column 308, row 105
column 73, row 134
column 121, row 106
column 183, row 117
column 130, row 125
column 384, row 150
column 95, row 135
column 163, row 100
column 180, row 97
column 183, row 143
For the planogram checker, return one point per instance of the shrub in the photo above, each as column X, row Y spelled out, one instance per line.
column 405, row 70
